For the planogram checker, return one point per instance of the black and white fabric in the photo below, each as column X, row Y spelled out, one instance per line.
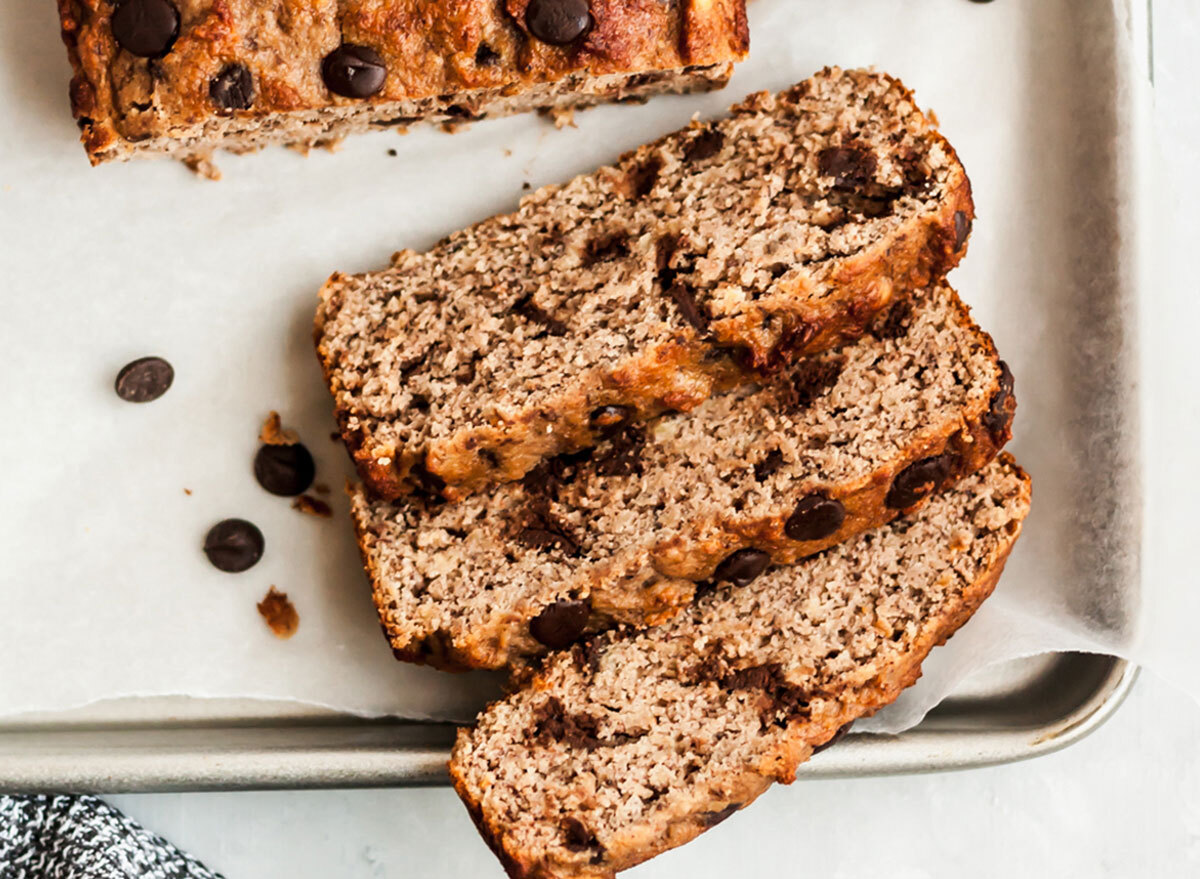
column 72, row 837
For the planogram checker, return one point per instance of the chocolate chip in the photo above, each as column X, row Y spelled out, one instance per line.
column 557, row 22
column 837, row 737
column 918, row 481
column 895, row 323
column 234, row 545
column 353, row 71
column 561, row 623
column 531, row 311
column 553, row 724
column 704, row 145
column 642, row 179
column 808, row 381
column 607, row 420
column 577, row 837
column 999, row 416
column 850, row 167
column 962, row 229
column 742, row 567
column 146, row 28
column 486, row 56
column 428, row 484
column 145, row 379
column 546, row 539
column 284, row 470
column 623, row 456
column 232, row 88
column 769, row 465
column 815, row 518
column 688, row 307
column 712, row 819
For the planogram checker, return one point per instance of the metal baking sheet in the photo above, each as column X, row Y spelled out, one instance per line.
column 1014, row 711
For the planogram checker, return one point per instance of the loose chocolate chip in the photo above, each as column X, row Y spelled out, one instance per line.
column 561, row 623
column 918, row 480
column 557, row 22
column 607, row 420
column 145, row 379
column 815, row 518
column 712, row 819
column 850, row 167
column 232, row 88
column 284, row 470
column 1000, row 412
column 837, row 737
column 962, row 229
column 486, row 56
column 234, row 545
column 353, row 71
column 146, row 28
column 704, row 145
column 742, row 567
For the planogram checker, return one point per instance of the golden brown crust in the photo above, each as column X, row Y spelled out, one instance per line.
column 481, row 49
column 675, row 374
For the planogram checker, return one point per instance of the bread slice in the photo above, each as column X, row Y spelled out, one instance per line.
column 724, row 249
column 183, row 78
column 840, row 444
column 635, row 743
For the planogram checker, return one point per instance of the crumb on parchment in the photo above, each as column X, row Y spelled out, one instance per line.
column 273, row 433
column 279, row 613
column 314, row 506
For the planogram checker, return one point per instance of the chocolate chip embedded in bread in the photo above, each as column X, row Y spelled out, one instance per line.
column 706, row 144
column 712, row 819
column 561, row 623
column 577, row 837
column 623, row 456
column 144, row 380
column 850, row 167
column 607, row 420
column 353, row 71
column 232, row 88
column 918, row 481
column 999, row 416
column 284, row 470
column 486, row 56
column 688, row 307
column 962, row 229
column 769, row 465
column 234, row 545
column 146, row 28
column 558, row 22
column 815, row 518
column 534, row 313
column 742, row 567
column 808, row 382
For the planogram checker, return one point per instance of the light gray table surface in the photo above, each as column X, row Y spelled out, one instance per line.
column 1123, row 803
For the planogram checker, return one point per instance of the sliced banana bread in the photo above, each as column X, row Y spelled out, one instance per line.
column 185, row 77
column 722, row 249
column 636, row 742
column 840, row 443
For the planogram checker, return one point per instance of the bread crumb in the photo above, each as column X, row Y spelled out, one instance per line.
column 455, row 126
column 392, row 153
column 562, row 117
column 335, row 436
column 306, row 503
column 321, row 488
column 188, row 492
column 274, row 434
column 203, row 165
column 279, row 613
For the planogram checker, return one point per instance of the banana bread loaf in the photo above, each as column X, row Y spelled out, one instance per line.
column 724, row 249
column 182, row 77
column 636, row 742
column 625, row 533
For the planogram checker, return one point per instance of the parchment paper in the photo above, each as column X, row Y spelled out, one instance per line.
column 104, row 591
